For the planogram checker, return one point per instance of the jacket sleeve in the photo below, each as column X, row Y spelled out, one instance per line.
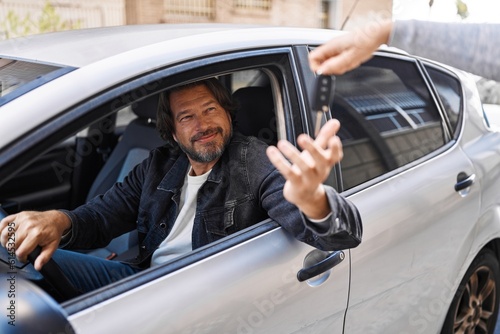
column 341, row 230
column 467, row 46
column 109, row 215
column 343, row 227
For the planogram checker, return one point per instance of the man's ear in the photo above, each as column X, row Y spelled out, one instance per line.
column 175, row 138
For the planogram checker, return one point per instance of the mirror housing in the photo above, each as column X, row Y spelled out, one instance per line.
column 29, row 309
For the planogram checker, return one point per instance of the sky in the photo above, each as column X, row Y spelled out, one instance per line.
column 445, row 10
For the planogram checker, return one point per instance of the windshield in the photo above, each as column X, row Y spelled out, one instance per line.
column 17, row 77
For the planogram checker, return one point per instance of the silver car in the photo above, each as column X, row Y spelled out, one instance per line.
column 422, row 164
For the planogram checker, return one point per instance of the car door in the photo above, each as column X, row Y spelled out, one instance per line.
column 403, row 166
column 245, row 283
column 249, row 287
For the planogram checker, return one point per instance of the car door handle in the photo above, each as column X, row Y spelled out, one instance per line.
column 328, row 263
column 464, row 181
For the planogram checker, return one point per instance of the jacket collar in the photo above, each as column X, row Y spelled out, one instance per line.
column 174, row 179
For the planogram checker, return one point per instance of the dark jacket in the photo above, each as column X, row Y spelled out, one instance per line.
column 242, row 189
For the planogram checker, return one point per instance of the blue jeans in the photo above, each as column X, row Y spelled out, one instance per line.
column 88, row 272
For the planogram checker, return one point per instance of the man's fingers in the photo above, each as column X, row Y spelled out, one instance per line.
column 326, row 149
column 316, row 152
column 289, row 171
column 321, row 143
column 316, row 159
column 301, row 161
column 5, row 221
column 7, row 227
column 44, row 256
column 335, row 149
column 28, row 245
column 25, row 231
column 328, row 130
column 278, row 160
column 25, row 244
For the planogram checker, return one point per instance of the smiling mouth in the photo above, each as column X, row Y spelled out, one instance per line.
column 206, row 136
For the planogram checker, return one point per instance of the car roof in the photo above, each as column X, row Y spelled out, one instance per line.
column 94, row 60
column 81, row 47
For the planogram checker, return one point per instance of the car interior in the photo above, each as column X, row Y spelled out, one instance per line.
column 255, row 117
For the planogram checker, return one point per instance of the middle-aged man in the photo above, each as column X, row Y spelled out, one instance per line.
column 205, row 184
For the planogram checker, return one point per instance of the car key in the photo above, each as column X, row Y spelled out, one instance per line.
column 324, row 87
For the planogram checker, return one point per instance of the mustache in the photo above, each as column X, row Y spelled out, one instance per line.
column 207, row 132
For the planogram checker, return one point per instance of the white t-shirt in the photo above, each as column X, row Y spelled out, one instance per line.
column 179, row 241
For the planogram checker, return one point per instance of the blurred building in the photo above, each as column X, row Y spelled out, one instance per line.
column 304, row 13
column 27, row 16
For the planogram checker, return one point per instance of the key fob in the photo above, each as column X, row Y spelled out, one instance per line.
column 322, row 97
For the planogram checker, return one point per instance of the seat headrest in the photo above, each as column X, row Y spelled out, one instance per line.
column 146, row 108
column 255, row 116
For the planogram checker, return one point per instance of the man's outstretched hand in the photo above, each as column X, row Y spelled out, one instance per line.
column 306, row 171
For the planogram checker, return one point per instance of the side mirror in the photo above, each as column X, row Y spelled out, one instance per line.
column 28, row 309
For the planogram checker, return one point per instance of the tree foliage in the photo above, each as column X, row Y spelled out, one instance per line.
column 49, row 20
column 462, row 9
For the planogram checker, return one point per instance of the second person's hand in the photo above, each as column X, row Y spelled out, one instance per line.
column 348, row 51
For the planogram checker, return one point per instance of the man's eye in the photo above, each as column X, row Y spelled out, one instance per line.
column 211, row 109
column 185, row 118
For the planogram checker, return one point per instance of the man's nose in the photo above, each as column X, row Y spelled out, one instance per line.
column 202, row 122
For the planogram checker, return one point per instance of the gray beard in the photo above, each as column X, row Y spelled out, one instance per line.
column 207, row 156
column 209, row 153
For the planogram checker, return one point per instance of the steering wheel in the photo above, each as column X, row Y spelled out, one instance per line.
column 52, row 273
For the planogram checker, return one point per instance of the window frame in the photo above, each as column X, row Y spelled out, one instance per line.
column 454, row 131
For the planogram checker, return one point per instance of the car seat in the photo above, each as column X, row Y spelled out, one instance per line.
column 139, row 138
column 256, row 116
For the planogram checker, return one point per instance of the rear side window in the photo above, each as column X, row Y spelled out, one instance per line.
column 388, row 119
column 449, row 91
